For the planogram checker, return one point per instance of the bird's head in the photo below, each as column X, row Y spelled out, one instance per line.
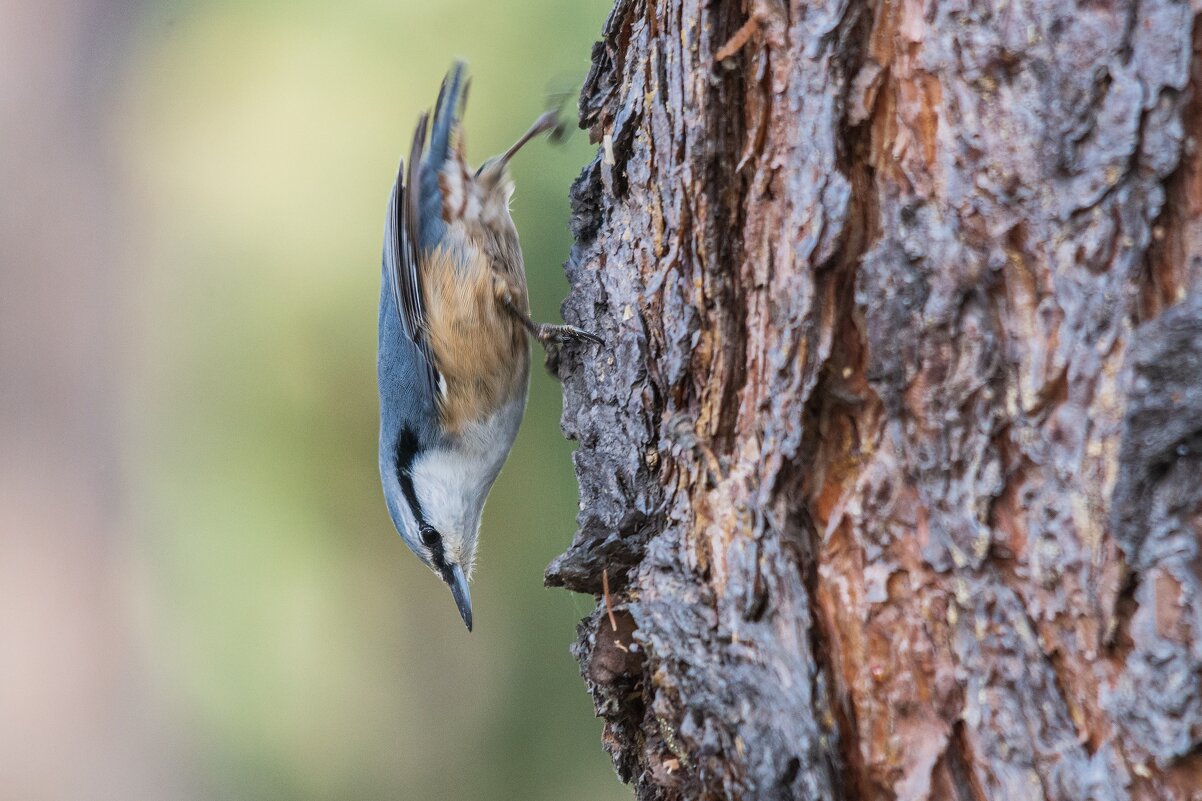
column 450, row 556
column 436, row 509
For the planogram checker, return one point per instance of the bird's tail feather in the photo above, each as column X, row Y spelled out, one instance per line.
column 447, row 111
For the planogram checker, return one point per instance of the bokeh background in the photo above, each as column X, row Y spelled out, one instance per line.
column 201, row 596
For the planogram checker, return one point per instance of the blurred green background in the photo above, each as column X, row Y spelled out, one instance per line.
column 205, row 596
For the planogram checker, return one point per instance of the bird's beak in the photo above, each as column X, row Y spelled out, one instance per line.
column 453, row 576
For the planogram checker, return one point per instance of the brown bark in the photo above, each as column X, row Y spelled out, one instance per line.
column 894, row 464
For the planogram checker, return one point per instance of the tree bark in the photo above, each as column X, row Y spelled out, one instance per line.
column 892, row 465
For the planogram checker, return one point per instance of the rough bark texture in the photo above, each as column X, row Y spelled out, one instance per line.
column 893, row 466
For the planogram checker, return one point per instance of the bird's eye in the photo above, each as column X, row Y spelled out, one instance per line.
column 429, row 536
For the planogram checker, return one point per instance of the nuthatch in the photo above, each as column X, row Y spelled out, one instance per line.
column 453, row 364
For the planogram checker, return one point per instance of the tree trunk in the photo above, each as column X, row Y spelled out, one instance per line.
column 892, row 464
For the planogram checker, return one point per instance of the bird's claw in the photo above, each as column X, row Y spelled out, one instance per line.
column 564, row 334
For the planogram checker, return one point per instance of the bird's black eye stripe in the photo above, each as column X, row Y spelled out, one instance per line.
column 407, row 450
column 433, row 540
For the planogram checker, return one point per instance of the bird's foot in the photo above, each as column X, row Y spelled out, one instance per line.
column 547, row 333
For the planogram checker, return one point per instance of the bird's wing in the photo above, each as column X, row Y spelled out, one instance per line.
column 433, row 188
column 402, row 258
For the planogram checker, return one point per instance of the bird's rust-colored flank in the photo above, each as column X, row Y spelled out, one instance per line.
column 479, row 347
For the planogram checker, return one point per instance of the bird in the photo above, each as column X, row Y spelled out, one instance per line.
column 453, row 361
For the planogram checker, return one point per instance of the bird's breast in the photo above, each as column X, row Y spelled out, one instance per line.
column 479, row 347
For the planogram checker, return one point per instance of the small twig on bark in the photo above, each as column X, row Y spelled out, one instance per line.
column 735, row 43
column 609, row 604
